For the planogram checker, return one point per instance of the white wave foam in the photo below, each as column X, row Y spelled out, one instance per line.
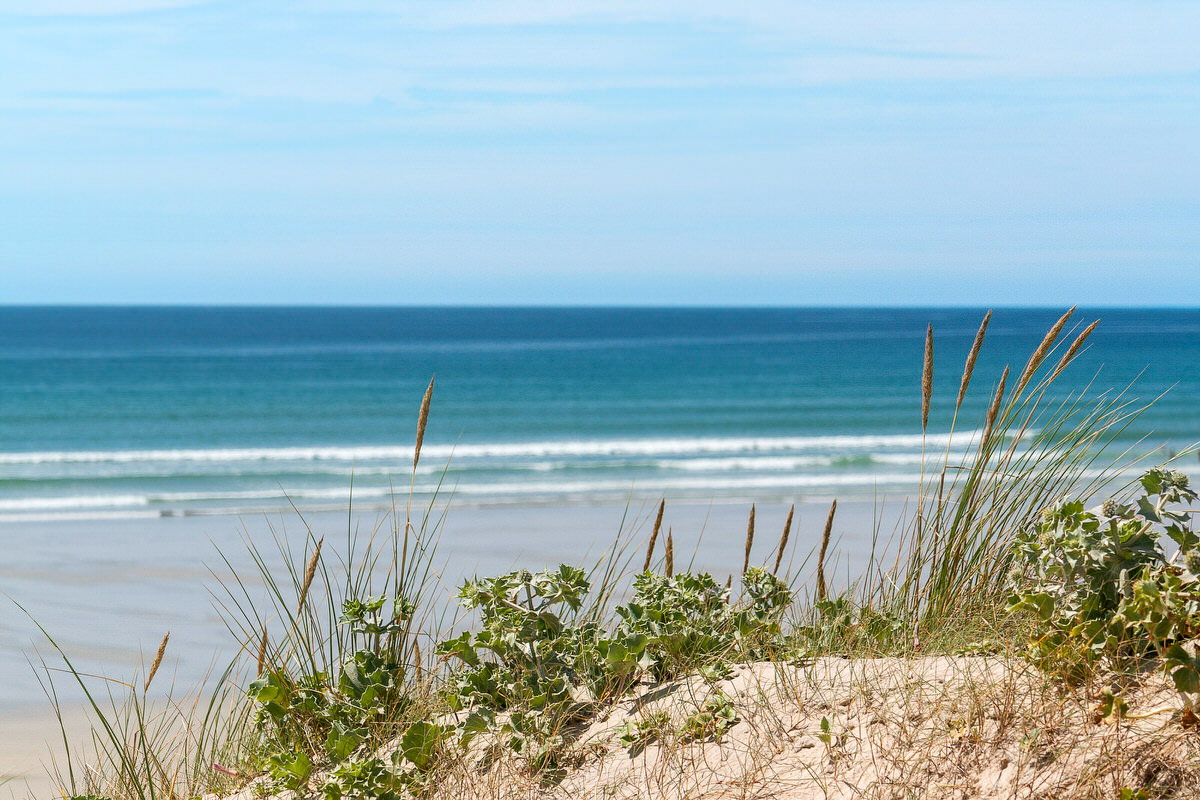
column 744, row 463
column 77, row 501
column 177, row 503
column 713, row 484
column 72, row 516
column 168, row 500
column 777, row 463
column 565, row 448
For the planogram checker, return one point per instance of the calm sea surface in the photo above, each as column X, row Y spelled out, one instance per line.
column 120, row 412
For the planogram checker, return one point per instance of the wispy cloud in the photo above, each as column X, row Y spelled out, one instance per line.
column 130, row 95
column 67, row 8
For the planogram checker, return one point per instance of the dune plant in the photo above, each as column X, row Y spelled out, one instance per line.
column 529, row 658
column 1103, row 589
column 335, row 672
column 1033, row 446
column 534, row 667
column 144, row 745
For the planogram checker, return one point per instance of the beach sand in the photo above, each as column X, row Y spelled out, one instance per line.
column 29, row 735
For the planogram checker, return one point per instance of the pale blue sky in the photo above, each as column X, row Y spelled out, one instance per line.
column 600, row 152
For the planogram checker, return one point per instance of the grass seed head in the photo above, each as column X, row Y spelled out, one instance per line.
column 309, row 572
column 994, row 409
column 749, row 540
column 670, row 555
column 262, row 654
column 783, row 540
column 1073, row 350
column 1039, row 354
column 927, row 378
column 158, row 657
column 422, row 418
column 662, row 505
column 821, row 591
column 969, row 369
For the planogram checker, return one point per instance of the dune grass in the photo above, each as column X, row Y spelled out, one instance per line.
column 347, row 682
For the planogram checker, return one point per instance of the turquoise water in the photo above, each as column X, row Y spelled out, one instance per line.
column 123, row 412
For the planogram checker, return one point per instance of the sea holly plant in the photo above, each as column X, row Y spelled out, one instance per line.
column 1162, row 487
column 712, row 721
column 689, row 622
column 335, row 715
column 757, row 626
column 531, row 659
column 408, row 770
column 533, row 667
column 1104, row 591
column 366, row 617
column 684, row 619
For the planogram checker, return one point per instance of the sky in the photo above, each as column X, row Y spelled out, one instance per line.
column 614, row 152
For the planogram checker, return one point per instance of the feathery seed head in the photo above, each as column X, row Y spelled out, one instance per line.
column 972, row 356
column 158, row 657
column 927, row 378
column 422, row 418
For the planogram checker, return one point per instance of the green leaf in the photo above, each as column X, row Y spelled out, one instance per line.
column 268, row 688
column 293, row 769
column 1148, row 510
column 460, row 647
column 342, row 742
column 1186, row 679
column 421, row 743
column 1182, row 537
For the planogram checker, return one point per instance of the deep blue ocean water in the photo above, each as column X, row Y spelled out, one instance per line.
column 113, row 412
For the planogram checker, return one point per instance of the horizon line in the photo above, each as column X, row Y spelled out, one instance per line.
column 589, row 306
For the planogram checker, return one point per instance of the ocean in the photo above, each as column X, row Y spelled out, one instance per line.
column 112, row 413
